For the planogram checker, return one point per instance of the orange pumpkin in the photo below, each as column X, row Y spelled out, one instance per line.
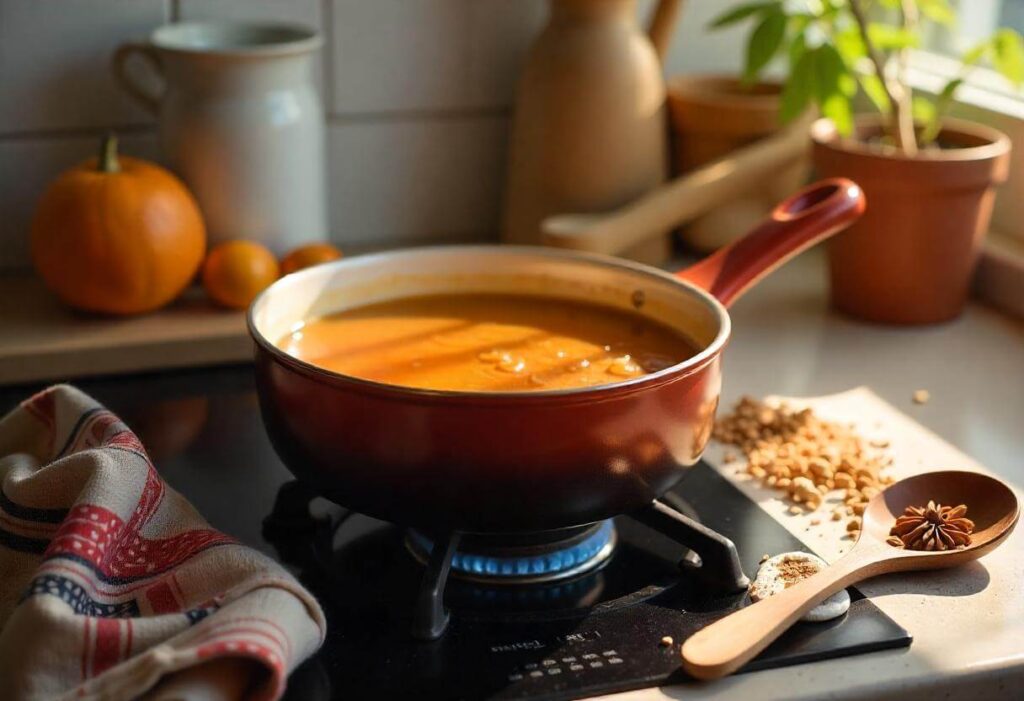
column 117, row 235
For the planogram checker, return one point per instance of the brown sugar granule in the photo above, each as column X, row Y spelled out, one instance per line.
column 800, row 454
column 922, row 396
column 932, row 527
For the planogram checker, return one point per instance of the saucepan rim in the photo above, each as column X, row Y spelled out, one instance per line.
column 682, row 369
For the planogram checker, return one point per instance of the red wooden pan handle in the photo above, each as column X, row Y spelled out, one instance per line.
column 797, row 223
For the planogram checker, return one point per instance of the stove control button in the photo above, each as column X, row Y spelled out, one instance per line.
column 554, row 670
column 614, row 660
column 568, row 659
column 548, row 663
column 530, row 665
column 536, row 673
column 609, row 653
column 597, row 663
column 515, row 677
column 590, row 656
column 575, row 667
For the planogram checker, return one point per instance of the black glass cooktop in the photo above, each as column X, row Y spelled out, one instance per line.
column 594, row 633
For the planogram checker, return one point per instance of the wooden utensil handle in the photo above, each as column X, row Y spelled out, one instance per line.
column 726, row 645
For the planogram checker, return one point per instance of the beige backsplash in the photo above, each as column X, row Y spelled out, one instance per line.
column 418, row 94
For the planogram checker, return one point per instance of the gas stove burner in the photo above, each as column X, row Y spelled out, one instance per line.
column 539, row 559
column 530, row 559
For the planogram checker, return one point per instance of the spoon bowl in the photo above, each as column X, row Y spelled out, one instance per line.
column 991, row 505
column 726, row 645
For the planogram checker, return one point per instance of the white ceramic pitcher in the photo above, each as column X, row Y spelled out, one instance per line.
column 241, row 121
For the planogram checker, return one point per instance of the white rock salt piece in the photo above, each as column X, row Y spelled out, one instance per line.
column 769, row 581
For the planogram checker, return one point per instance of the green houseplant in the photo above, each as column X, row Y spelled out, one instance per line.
column 929, row 179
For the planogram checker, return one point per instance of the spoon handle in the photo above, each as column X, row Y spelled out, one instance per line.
column 726, row 645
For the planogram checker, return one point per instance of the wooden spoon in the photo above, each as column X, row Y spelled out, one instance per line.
column 728, row 644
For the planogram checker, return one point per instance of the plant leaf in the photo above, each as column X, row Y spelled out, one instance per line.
column 887, row 37
column 976, row 53
column 764, row 44
column 872, row 86
column 937, row 11
column 833, row 87
column 850, row 45
column 738, row 14
column 797, row 48
column 837, row 108
column 923, row 110
column 942, row 104
column 799, row 88
column 1008, row 55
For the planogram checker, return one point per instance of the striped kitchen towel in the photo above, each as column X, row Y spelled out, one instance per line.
column 111, row 582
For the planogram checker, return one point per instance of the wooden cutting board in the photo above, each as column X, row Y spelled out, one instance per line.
column 41, row 339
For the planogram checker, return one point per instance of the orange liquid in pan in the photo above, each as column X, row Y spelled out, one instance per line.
column 488, row 343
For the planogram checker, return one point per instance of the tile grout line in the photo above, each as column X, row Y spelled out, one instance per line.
column 354, row 118
column 77, row 132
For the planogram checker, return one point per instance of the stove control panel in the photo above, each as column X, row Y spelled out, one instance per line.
column 568, row 664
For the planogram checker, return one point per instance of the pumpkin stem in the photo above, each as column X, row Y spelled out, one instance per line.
column 108, row 154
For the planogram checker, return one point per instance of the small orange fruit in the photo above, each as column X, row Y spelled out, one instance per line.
column 236, row 271
column 310, row 254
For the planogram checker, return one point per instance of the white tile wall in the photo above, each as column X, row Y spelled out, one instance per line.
column 54, row 62
column 416, row 181
column 417, row 93
column 307, row 12
column 397, row 55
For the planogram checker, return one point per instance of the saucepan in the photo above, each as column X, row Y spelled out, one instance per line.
column 503, row 462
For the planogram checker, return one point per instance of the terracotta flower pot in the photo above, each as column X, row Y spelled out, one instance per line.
column 711, row 116
column 910, row 258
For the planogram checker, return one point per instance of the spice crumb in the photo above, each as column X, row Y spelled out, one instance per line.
column 922, row 396
column 805, row 458
column 792, row 571
column 667, row 641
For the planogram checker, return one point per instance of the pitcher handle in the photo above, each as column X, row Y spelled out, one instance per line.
column 119, row 62
column 663, row 26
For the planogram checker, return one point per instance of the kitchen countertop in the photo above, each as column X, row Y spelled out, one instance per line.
column 968, row 624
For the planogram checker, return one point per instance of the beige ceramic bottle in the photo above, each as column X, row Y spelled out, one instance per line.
column 589, row 133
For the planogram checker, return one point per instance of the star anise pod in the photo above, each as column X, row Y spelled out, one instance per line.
column 932, row 527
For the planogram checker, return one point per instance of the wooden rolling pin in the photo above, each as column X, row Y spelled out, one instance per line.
column 680, row 200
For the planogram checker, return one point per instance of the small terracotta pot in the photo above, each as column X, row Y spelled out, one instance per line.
column 910, row 258
column 712, row 116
